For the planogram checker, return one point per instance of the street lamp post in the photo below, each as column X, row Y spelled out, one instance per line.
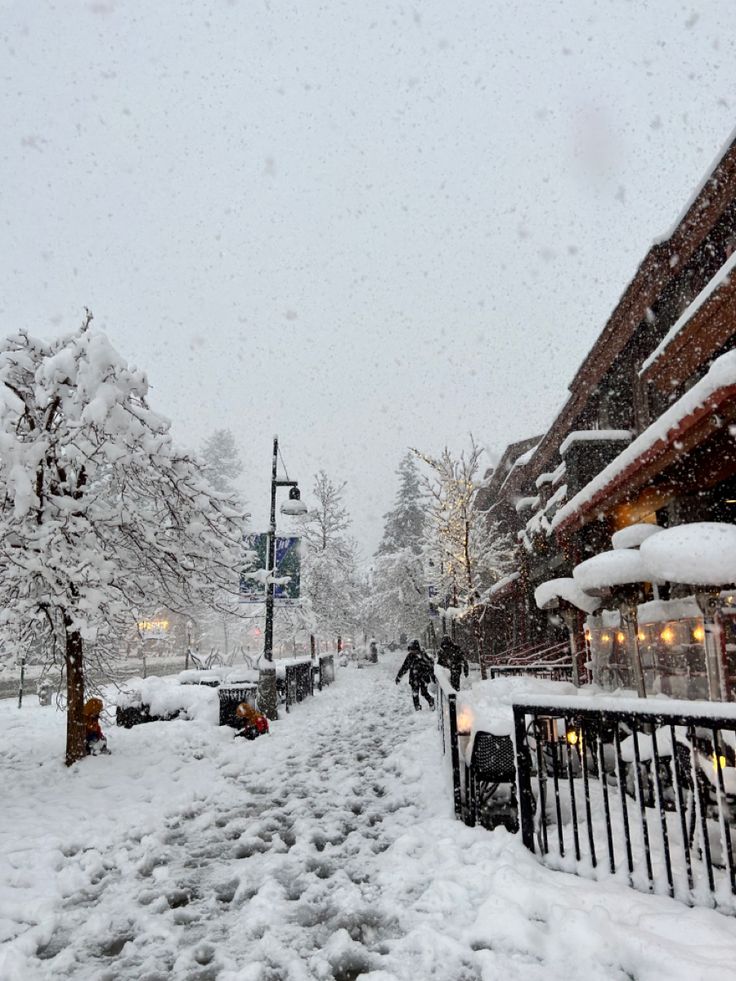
column 267, row 696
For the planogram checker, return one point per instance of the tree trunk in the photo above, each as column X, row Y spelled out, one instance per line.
column 75, row 730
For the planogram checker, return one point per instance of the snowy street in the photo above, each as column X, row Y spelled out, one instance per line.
column 326, row 851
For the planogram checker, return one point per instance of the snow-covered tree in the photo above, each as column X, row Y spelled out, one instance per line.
column 329, row 558
column 220, row 454
column 404, row 523
column 99, row 514
column 464, row 547
column 398, row 601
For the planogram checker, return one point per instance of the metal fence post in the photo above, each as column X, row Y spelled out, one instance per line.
column 455, row 755
column 524, row 778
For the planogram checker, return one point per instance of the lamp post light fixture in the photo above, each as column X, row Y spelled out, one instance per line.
column 267, row 697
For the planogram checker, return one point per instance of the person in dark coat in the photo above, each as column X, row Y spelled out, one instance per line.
column 452, row 657
column 420, row 671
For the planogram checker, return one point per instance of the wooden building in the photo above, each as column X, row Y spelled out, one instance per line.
column 647, row 432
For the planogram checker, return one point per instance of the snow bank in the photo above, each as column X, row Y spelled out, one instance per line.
column 701, row 553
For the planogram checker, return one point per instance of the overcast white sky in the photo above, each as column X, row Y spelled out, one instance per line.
column 360, row 225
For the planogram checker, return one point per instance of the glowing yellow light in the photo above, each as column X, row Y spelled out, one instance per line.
column 572, row 737
column 641, row 635
column 620, row 636
column 605, row 638
column 668, row 635
column 698, row 633
column 147, row 625
column 465, row 720
column 719, row 762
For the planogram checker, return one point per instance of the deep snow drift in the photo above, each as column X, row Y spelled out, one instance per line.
column 326, row 850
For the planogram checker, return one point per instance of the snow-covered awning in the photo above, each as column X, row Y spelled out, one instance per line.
column 702, row 553
column 634, row 535
column 548, row 595
column 697, row 405
column 620, row 567
column 526, row 502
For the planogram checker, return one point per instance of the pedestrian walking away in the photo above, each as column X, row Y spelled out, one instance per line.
column 452, row 657
column 419, row 666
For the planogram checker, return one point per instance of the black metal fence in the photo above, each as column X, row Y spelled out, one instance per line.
column 298, row 682
column 230, row 697
column 645, row 791
column 553, row 672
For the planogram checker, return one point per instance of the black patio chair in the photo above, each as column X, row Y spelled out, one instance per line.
column 490, row 781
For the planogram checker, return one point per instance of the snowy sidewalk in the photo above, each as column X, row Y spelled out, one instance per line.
column 325, row 851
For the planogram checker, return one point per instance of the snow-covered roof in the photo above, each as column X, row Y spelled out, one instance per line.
column 549, row 594
column 722, row 373
column 702, row 553
column 520, row 461
column 538, row 522
column 557, row 498
column 594, row 436
column 633, row 535
column 657, row 611
column 619, row 567
column 559, row 473
column 526, row 502
column 721, row 277
column 503, row 583
column 708, row 178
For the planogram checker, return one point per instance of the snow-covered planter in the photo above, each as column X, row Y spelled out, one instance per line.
column 160, row 699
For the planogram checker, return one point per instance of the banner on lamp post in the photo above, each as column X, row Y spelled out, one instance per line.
column 287, row 562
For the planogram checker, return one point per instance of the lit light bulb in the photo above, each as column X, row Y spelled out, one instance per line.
column 667, row 635
column 699, row 633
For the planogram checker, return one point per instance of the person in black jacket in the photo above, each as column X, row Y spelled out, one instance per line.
column 420, row 671
column 452, row 657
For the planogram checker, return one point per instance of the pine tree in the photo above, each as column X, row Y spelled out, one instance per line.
column 221, row 456
column 404, row 524
column 398, row 601
column 330, row 559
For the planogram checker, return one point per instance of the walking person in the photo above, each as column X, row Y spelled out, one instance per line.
column 420, row 671
column 452, row 657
